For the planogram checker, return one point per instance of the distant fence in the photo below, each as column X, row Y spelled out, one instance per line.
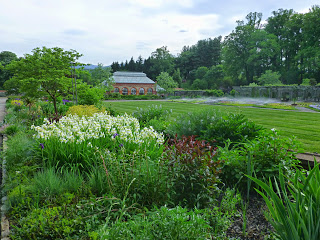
column 283, row 93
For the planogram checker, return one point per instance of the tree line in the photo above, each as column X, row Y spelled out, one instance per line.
column 285, row 48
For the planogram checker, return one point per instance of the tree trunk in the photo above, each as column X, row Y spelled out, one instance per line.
column 55, row 106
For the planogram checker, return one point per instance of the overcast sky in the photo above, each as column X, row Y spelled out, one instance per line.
column 115, row 30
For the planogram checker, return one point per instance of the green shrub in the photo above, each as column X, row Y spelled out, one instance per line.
column 294, row 204
column 91, row 96
column 48, row 223
column 260, row 157
column 83, row 110
column 193, row 172
column 214, row 126
column 144, row 115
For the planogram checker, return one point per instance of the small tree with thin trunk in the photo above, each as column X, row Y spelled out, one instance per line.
column 45, row 72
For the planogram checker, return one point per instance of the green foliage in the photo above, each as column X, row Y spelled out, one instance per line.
column 261, row 156
column 161, row 223
column 43, row 73
column 20, row 149
column 13, row 129
column 214, row 126
column 199, row 84
column 269, row 77
column 145, row 115
column 51, row 184
column 305, row 82
column 91, row 95
column 146, row 174
column 165, row 81
column 100, row 74
column 293, row 204
column 48, row 223
column 5, row 58
column 84, row 110
column 193, row 172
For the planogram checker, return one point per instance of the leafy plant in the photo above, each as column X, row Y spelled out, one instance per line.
column 161, row 223
column 193, row 171
column 48, row 223
column 293, row 204
column 153, row 112
column 260, row 157
column 83, row 110
column 73, row 141
column 214, row 126
column 20, row 150
column 151, row 181
column 50, row 184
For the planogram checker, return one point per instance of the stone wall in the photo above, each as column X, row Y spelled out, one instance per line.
column 283, row 93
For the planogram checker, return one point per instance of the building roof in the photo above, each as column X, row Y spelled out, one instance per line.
column 131, row 77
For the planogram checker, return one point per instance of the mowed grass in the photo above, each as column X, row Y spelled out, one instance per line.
column 304, row 125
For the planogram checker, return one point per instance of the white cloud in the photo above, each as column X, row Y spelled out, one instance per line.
column 106, row 31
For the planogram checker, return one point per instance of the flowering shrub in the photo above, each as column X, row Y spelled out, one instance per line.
column 74, row 140
column 17, row 102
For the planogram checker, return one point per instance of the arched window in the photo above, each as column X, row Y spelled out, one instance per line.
column 150, row 91
column 141, row 91
column 133, row 91
column 116, row 90
column 124, row 91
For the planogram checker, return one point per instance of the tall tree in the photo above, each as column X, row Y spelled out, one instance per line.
column 161, row 61
column 139, row 64
column 237, row 46
column 132, row 65
column 5, row 58
column 100, row 74
column 44, row 73
column 165, row 81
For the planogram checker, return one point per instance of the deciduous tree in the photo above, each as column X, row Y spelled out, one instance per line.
column 45, row 72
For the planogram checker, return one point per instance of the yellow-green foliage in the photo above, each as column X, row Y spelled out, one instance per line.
column 84, row 110
column 17, row 102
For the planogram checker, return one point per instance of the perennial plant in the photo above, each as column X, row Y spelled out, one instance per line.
column 74, row 139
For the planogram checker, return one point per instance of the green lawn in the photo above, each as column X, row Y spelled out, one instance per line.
column 304, row 125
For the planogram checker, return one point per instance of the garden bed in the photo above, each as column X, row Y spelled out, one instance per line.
column 95, row 174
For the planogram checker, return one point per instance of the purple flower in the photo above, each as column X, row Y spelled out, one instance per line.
column 42, row 145
column 65, row 101
column 121, row 145
column 114, row 135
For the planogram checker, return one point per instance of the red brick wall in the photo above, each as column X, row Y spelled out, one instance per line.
column 137, row 86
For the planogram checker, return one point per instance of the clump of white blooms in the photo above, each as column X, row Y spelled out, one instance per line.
column 75, row 129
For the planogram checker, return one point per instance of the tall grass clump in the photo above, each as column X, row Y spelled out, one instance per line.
column 214, row 126
column 118, row 170
column 293, row 204
column 74, row 140
column 19, row 150
column 49, row 183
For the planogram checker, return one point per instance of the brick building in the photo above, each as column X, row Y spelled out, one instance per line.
column 133, row 83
